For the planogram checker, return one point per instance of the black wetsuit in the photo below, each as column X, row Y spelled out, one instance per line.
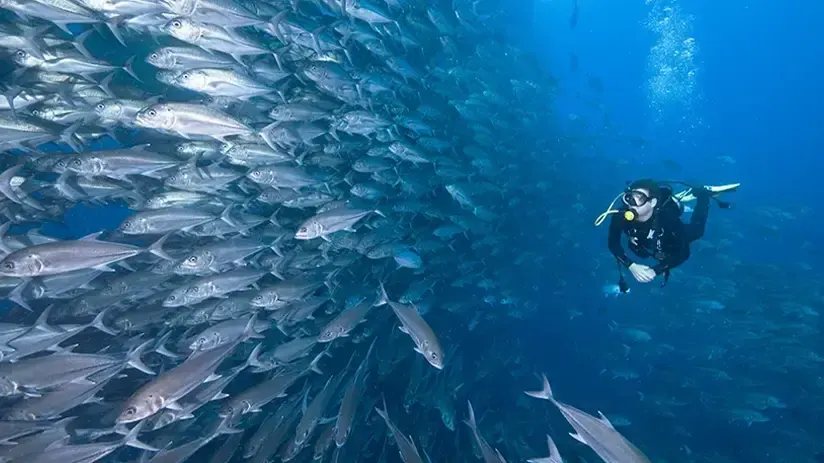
column 663, row 237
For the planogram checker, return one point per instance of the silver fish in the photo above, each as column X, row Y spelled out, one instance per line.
column 596, row 433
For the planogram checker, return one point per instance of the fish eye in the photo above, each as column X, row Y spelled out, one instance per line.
column 127, row 224
column 8, row 265
column 152, row 113
column 154, row 56
column 303, row 230
column 130, row 411
column 177, row 24
column 193, row 259
column 76, row 162
column 101, row 106
column 185, row 76
column 433, row 356
column 21, row 53
column 172, row 297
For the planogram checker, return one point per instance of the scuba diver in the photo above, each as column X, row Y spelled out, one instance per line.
column 651, row 219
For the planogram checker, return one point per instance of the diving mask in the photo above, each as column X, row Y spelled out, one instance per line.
column 635, row 198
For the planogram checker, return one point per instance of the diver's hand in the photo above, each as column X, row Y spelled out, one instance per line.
column 642, row 273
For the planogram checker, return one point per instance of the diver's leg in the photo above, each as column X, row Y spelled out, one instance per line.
column 698, row 220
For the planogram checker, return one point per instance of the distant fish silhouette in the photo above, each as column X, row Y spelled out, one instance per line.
column 573, row 19
column 595, row 84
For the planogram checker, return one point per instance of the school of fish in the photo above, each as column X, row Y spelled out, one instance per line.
column 302, row 178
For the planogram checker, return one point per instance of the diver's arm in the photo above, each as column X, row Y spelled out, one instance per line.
column 616, row 228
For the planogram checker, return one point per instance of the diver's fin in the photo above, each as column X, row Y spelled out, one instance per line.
column 723, row 188
column 688, row 195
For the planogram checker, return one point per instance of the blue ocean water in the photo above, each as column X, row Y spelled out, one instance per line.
column 696, row 91
column 741, row 104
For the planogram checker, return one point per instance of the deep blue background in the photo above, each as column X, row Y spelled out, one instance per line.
column 759, row 72
column 759, row 100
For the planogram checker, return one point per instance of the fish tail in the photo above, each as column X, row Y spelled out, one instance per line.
column 473, row 425
column 253, row 360
column 98, row 323
column 131, row 439
column 545, row 393
column 384, row 298
column 157, row 247
column 133, row 358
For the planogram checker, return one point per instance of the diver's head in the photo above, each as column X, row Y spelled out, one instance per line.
column 642, row 198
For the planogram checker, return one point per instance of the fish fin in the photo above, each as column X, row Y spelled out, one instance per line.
column 226, row 216
column 16, row 295
column 553, row 450
column 161, row 347
column 4, row 229
column 42, row 322
column 92, row 236
column 133, row 358
column 253, row 359
column 98, row 322
column 64, row 26
column 578, row 437
column 545, row 393
column 314, row 364
column 68, row 136
column 605, row 420
column 174, row 406
column 131, row 438
column 305, row 404
column 104, row 85
column 470, row 421
column 80, row 45
column 84, row 382
column 383, row 298
column 157, row 247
